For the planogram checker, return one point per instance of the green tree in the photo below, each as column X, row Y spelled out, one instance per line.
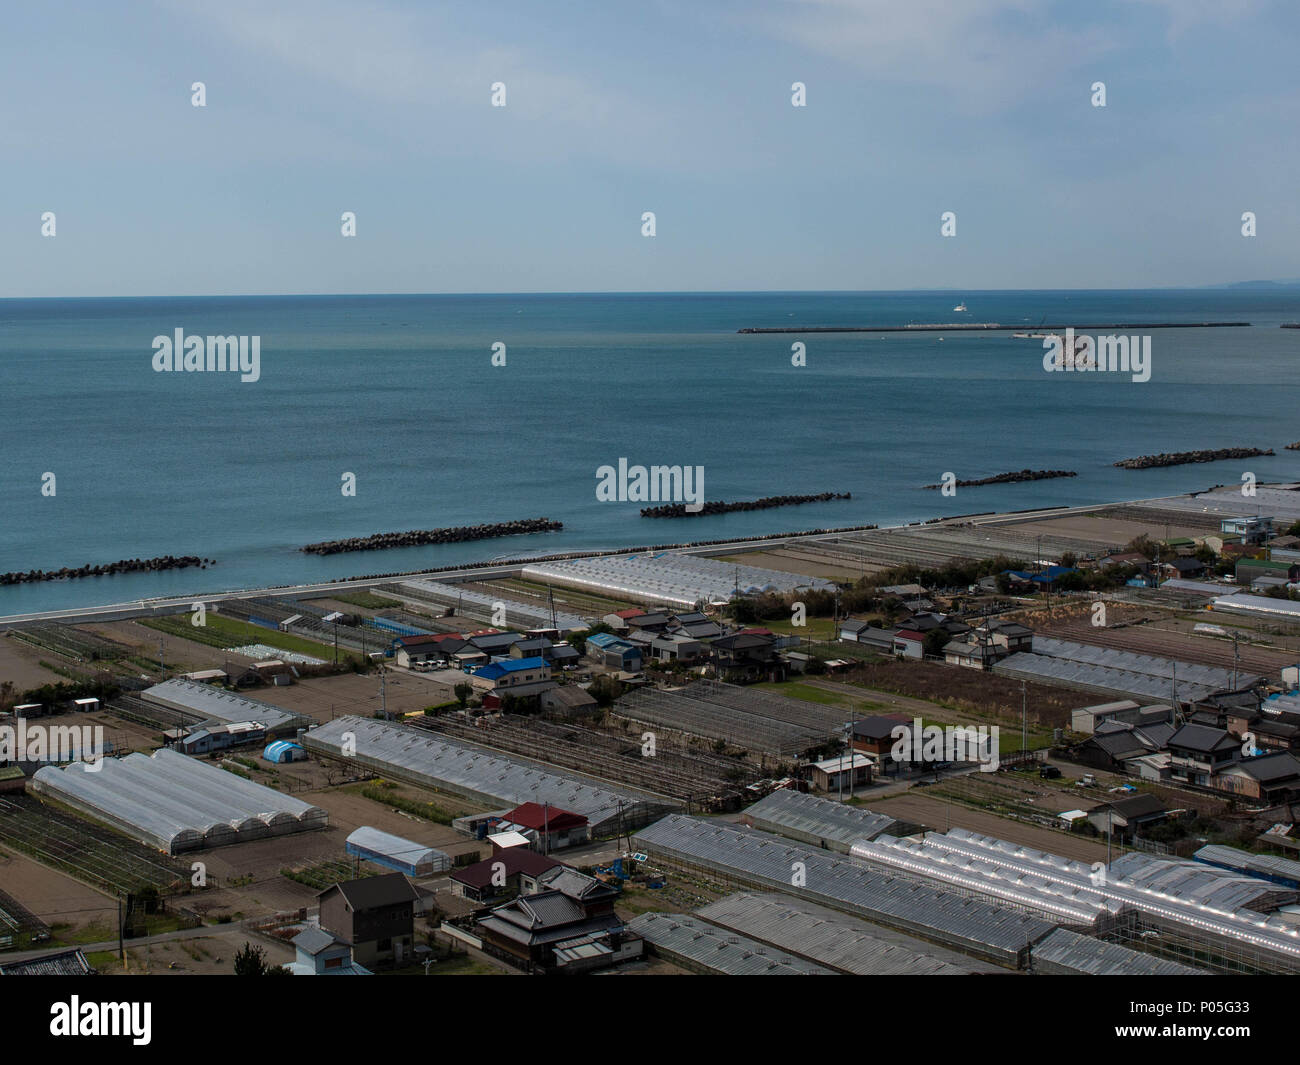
column 462, row 692
column 251, row 961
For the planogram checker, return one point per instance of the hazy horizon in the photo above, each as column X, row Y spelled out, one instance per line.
column 985, row 109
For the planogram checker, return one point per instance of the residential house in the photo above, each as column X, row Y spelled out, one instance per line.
column 375, row 916
column 842, row 771
column 548, row 828
column 747, row 651
column 1124, row 818
column 569, row 700
column 318, row 953
column 508, row 872
column 1252, row 530
column 519, row 676
column 1199, row 753
column 612, row 652
column 1272, row 779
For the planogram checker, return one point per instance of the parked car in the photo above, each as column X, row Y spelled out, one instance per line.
column 1049, row 772
column 1087, row 781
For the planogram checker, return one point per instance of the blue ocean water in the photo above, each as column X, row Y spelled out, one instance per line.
column 400, row 391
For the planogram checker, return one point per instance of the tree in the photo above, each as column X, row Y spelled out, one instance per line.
column 251, row 961
column 462, row 692
column 605, row 690
column 934, row 642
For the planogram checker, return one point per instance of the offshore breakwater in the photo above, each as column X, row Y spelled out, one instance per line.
column 108, row 569
column 419, row 537
column 991, row 327
column 1009, row 478
column 679, row 510
column 1183, row 458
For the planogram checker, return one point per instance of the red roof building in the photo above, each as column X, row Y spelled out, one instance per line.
column 549, row 827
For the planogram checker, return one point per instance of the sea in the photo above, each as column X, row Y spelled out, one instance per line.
column 401, row 392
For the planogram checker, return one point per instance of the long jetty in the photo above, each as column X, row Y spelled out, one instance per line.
column 989, row 327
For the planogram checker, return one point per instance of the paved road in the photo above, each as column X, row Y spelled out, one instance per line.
column 111, row 944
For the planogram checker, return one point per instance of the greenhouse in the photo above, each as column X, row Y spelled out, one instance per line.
column 840, row 942
column 702, row 947
column 207, row 703
column 822, row 822
column 670, row 578
column 430, row 760
column 394, row 852
column 981, row 927
column 175, row 803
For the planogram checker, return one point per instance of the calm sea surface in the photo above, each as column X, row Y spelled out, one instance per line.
column 400, row 391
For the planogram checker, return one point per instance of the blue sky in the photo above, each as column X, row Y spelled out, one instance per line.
column 915, row 107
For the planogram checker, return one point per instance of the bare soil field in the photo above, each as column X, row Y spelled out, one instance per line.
column 20, row 663
column 325, row 698
column 260, row 861
column 1100, row 527
column 982, row 694
column 54, row 897
column 940, row 816
column 206, row 955
column 178, row 654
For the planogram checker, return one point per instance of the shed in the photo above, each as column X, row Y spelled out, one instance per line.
column 284, row 751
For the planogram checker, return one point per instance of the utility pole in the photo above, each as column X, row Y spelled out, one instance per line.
column 162, row 669
column 1024, row 718
column 383, row 691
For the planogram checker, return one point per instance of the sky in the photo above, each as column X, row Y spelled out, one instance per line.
column 614, row 108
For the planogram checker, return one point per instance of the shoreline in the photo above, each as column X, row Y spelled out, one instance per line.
column 497, row 568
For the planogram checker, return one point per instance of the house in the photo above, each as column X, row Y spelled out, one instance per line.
column 650, row 623
column 1252, row 530
column 548, row 828
column 569, row 700
column 1183, row 567
column 533, row 647
column 1123, row 818
column 1272, row 778
column 676, row 647
column 1198, row 753
column 875, row 735
column 863, row 632
column 241, row 676
column 1087, row 718
column 746, row 651
column 219, row 737
column 375, row 916
column 493, row 643
column 273, row 671
column 846, row 770
column 564, row 656
column 971, row 655
column 851, row 628
column 618, row 621
column 552, row 932
column 612, row 652
column 1009, row 637
column 519, row 676
column 909, row 643
column 695, row 625
column 1284, row 549
column 507, row 872
column 321, row 954
column 1136, row 559
column 409, row 650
